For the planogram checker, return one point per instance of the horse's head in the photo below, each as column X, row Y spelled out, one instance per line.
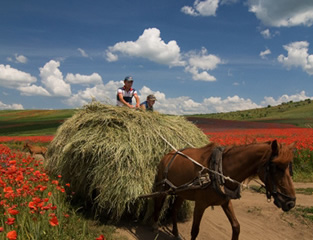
column 25, row 146
column 276, row 175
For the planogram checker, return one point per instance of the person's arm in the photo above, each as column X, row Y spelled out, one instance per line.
column 143, row 106
column 137, row 101
column 121, row 99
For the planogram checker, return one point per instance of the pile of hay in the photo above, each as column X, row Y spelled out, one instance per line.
column 110, row 154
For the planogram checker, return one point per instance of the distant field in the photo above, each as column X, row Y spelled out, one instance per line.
column 46, row 122
column 296, row 113
column 32, row 122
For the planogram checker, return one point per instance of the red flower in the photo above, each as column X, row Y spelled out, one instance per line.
column 12, row 235
column 8, row 190
column 101, row 237
column 13, row 211
column 54, row 221
column 10, row 221
column 1, row 229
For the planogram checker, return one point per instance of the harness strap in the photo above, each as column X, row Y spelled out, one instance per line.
column 170, row 163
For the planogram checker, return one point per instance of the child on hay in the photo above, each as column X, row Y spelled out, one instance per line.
column 126, row 93
column 148, row 104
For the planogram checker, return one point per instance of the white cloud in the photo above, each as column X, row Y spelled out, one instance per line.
column 94, row 78
column 266, row 33
column 263, row 54
column 13, row 106
column 13, row 78
column 21, row 58
column 202, row 8
column 18, row 59
column 298, row 56
column 285, row 98
column 52, row 79
column 149, row 45
column 33, row 90
column 110, row 57
column 234, row 103
column 82, row 52
column 200, row 63
column 180, row 105
column 101, row 92
column 200, row 75
column 283, row 13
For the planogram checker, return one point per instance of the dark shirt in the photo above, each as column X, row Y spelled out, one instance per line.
column 145, row 103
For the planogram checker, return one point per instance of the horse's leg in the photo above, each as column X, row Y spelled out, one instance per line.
column 158, row 204
column 229, row 211
column 176, row 206
column 197, row 216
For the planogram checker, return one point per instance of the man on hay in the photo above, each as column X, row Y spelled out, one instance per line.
column 126, row 93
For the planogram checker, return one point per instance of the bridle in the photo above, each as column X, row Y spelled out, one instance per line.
column 270, row 171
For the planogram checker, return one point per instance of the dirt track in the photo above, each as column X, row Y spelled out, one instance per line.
column 258, row 219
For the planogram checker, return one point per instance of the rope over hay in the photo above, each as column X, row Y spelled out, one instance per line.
column 110, row 154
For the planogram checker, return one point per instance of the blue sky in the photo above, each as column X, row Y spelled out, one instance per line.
column 196, row 56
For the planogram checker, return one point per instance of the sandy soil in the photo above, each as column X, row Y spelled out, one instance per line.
column 258, row 220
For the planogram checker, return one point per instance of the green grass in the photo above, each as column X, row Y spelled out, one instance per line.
column 295, row 113
column 32, row 122
column 304, row 212
column 304, row 191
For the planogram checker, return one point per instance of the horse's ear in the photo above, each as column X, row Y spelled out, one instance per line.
column 274, row 146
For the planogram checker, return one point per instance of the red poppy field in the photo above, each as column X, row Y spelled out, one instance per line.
column 33, row 206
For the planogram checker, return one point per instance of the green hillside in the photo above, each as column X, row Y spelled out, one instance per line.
column 297, row 113
column 32, row 122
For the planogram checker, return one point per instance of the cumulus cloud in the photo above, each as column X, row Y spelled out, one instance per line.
column 185, row 105
column 298, row 56
column 52, row 79
column 101, row 92
column 13, row 106
column 200, row 63
column 285, row 98
column 13, row 78
column 149, row 45
column 202, row 8
column 264, row 53
column 33, row 90
column 283, row 13
column 94, row 78
column 111, row 57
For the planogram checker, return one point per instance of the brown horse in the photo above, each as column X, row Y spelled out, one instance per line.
column 35, row 149
column 269, row 160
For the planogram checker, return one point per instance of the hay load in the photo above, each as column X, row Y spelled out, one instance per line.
column 110, row 154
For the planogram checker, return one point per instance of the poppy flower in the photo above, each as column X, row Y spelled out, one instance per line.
column 54, row 221
column 13, row 211
column 10, row 221
column 12, row 235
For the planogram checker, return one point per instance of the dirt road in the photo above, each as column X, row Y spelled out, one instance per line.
column 259, row 220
